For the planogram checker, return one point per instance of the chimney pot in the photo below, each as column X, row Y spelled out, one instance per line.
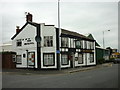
column 29, row 17
column 17, row 29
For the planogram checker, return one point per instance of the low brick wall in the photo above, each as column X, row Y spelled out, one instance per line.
column 7, row 60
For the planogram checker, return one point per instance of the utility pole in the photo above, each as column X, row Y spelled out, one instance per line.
column 59, row 30
column 104, row 44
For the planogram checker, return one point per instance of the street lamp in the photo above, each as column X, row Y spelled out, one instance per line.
column 103, row 38
column 104, row 44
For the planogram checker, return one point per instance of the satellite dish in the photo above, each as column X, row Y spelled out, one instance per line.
column 38, row 39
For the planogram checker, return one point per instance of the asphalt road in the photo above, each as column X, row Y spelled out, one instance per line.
column 104, row 77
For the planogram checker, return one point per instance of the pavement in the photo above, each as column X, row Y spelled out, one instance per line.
column 51, row 72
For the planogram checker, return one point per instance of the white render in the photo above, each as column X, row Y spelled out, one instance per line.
column 30, row 31
column 48, row 31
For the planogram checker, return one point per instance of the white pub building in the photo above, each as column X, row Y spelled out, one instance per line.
column 46, row 47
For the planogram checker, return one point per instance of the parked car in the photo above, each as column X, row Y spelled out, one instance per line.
column 116, row 60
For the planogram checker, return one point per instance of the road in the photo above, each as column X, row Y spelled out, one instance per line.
column 104, row 77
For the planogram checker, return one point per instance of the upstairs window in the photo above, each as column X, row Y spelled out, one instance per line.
column 64, row 42
column 48, row 41
column 78, row 44
column 19, row 43
column 91, row 45
column 85, row 44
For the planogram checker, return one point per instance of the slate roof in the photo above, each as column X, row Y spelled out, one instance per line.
column 63, row 31
column 75, row 34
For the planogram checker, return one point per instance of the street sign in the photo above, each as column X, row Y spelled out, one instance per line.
column 58, row 51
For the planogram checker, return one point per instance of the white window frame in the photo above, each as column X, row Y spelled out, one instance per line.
column 64, row 59
column 19, row 59
column 79, row 43
column 48, row 41
column 91, row 57
column 80, row 58
column 64, row 42
column 48, row 59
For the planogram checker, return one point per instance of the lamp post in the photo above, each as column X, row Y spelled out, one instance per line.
column 104, row 43
column 59, row 33
column 103, row 38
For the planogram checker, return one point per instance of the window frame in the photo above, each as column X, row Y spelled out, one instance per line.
column 65, row 39
column 64, row 59
column 47, row 60
column 79, row 43
column 17, row 59
column 82, row 58
column 50, row 40
column 92, row 61
column 28, row 58
column 19, row 43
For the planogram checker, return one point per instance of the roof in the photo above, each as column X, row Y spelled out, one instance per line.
column 31, row 23
column 63, row 31
column 91, row 37
column 74, row 34
column 116, row 53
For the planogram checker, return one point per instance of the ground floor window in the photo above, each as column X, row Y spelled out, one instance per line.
column 64, row 59
column 19, row 59
column 80, row 58
column 48, row 59
column 91, row 58
column 31, row 58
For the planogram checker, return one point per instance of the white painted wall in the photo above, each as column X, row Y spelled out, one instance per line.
column 48, row 31
column 28, row 32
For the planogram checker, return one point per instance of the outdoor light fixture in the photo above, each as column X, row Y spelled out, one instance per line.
column 104, row 43
column 103, row 38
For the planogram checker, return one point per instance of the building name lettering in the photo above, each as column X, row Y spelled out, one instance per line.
column 29, row 43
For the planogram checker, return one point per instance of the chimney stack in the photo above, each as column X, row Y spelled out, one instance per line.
column 29, row 17
column 17, row 29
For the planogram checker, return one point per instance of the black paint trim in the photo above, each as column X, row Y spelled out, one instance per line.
column 53, row 59
column 38, row 48
column 31, row 23
column 57, row 48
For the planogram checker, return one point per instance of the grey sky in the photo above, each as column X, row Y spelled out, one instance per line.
column 82, row 17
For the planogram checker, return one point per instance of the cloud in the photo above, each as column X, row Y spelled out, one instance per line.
column 82, row 17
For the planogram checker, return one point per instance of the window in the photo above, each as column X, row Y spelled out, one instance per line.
column 19, row 43
column 14, row 58
column 31, row 58
column 71, row 43
column 64, row 59
column 80, row 58
column 48, row 59
column 19, row 59
column 91, row 45
column 85, row 44
column 64, row 42
column 48, row 41
column 24, row 55
column 91, row 58
column 78, row 44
